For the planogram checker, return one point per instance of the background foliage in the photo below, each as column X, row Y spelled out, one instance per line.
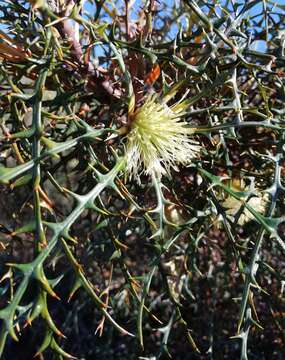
column 93, row 264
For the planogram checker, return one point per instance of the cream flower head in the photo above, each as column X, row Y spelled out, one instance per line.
column 158, row 139
column 258, row 201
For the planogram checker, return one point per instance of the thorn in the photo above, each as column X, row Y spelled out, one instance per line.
column 70, row 297
column 28, row 322
column 59, row 333
column 56, row 296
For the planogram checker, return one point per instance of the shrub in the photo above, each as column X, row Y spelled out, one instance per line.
column 142, row 173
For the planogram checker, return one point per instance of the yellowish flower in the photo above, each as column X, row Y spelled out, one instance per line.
column 233, row 205
column 257, row 202
column 159, row 139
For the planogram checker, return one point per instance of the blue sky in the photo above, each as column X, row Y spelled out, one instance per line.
column 137, row 4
